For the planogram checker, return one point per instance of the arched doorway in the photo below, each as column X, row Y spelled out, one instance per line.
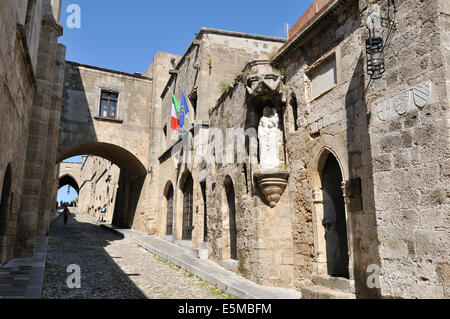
column 231, row 201
column 188, row 208
column 334, row 220
column 169, row 218
column 5, row 201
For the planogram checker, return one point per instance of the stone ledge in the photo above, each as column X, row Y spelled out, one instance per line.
column 105, row 119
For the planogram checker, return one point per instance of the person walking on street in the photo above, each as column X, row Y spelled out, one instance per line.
column 102, row 214
column 66, row 213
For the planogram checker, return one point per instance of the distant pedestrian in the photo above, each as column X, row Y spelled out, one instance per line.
column 66, row 214
column 102, row 214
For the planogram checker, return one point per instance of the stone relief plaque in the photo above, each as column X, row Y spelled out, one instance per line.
column 401, row 102
column 422, row 94
column 408, row 100
column 384, row 110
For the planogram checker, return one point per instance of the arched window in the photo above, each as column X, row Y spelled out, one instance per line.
column 294, row 106
column 231, row 200
column 188, row 209
column 169, row 223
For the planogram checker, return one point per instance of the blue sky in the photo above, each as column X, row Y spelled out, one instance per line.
column 124, row 35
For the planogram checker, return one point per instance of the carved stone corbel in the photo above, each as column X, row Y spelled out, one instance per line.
column 272, row 183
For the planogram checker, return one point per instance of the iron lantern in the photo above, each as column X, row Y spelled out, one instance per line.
column 375, row 56
column 377, row 43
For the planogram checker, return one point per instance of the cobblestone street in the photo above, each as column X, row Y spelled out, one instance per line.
column 112, row 267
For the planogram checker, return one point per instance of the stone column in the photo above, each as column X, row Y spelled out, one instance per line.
column 319, row 232
column 46, row 206
column 37, row 138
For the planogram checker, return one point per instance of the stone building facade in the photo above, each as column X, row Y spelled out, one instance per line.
column 342, row 186
column 100, row 182
column 202, row 73
column 31, row 68
column 295, row 168
column 363, row 161
column 106, row 113
column 390, row 137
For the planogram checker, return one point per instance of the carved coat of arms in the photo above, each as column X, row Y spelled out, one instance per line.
column 384, row 109
column 422, row 94
column 401, row 102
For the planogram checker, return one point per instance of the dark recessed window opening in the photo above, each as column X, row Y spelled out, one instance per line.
column 193, row 99
column 108, row 104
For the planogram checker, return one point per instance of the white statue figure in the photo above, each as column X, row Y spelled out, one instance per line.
column 268, row 135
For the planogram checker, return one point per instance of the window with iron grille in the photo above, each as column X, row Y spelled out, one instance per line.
column 108, row 104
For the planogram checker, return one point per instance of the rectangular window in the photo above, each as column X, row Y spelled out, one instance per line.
column 322, row 76
column 108, row 104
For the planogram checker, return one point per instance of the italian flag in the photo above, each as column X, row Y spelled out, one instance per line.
column 175, row 123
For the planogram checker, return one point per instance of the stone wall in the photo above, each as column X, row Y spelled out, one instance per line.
column 28, row 46
column 263, row 233
column 16, row 96
column 209, row 65
column 390, row 137
column 81, row 122
column 332, row 122
column 409, row 134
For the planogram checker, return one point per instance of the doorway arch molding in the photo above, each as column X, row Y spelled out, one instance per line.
column 326, row 146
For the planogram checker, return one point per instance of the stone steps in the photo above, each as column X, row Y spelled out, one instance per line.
column 336, row 283
column 327, row 287
column 322, row 292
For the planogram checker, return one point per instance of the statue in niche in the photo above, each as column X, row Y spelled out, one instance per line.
column 268, row 135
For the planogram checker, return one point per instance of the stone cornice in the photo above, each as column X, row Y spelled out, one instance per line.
column 197, row 42
column 295, row 41
column 54, row 24
column 80, row 65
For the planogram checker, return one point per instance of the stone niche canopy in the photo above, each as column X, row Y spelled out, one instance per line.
column 262, row 79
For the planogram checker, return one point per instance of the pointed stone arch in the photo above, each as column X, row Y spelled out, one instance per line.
column 168, row 209
column 186, row 206
column 68, row 179
column 292, row 113
column 229, row 230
